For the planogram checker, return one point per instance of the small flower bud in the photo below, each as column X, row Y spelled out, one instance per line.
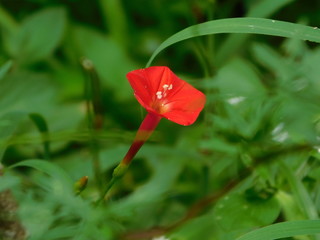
column 80, row 185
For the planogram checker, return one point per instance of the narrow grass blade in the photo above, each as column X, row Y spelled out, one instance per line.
column 301, row 194
column 284, row 230
column 242, row 25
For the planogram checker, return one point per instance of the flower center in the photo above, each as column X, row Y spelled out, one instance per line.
column 159, row 104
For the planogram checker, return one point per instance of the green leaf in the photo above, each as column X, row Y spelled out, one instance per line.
column 5, row 68
column 14, row 96
column 197, row 228
column 289, row 207
column 234, row 42
column 109, row 59
column 266, row 7
column 42, row 126
column 283, row 230
column 236, row 211
column 115, row 20
column 145, row 199
column 49, row 168
column 302, row 197
column 8, row 124
column 38, row 35
column 62, row 232
column 39, row 121
column 7, row 22
column 242, row 25
column 310, row 68
column 8, row 182
column 238, row 78
column 273, row 61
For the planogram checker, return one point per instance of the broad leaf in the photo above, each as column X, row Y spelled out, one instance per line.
column 110, row 61
column 236, row 211
column 38, row 35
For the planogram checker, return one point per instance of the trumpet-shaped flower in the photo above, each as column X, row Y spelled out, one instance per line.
column 162, row 94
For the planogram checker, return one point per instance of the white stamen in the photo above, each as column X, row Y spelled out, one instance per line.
column 159, row 94
column 164, row 93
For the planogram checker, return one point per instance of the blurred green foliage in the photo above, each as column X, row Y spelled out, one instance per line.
column 250, row 160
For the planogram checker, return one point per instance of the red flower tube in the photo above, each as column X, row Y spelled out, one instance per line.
column 162, row 94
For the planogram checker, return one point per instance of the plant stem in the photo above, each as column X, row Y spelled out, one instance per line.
column 145, row 130
column 94, row 115
column 106, row 190
column 118, row 172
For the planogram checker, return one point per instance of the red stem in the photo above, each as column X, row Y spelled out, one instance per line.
column 145, row 130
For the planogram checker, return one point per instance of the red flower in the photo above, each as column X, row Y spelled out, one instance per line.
column 161, row 92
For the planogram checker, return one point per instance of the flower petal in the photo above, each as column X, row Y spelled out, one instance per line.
column 185, row 105
column 142, row 87
column 160, row 91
